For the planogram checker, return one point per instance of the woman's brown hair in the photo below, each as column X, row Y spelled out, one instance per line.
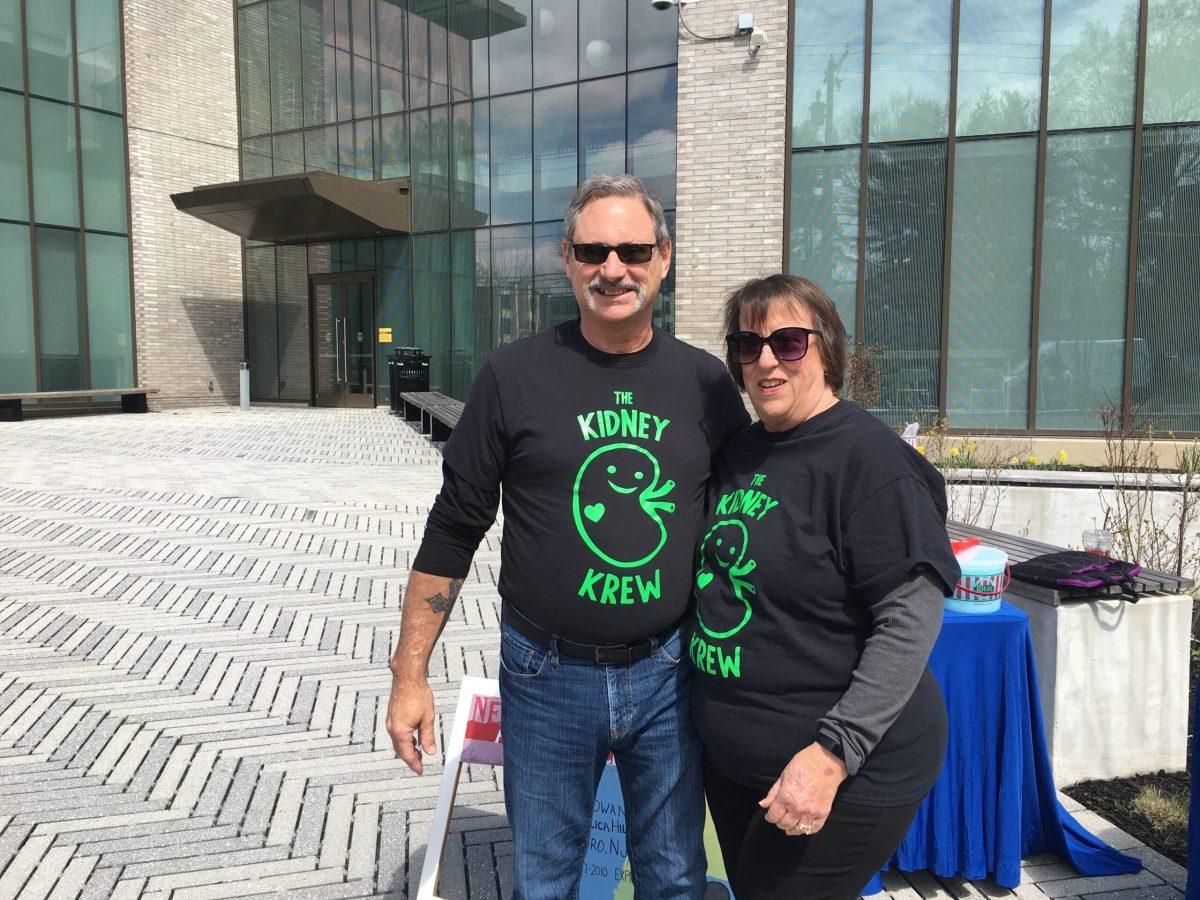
column 751, row 302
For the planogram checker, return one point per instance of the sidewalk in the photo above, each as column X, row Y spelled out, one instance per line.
column 196, row 612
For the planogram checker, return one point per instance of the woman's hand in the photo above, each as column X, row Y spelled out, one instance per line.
column 800, row 799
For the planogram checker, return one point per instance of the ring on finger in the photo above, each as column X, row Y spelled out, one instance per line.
column 804, row 827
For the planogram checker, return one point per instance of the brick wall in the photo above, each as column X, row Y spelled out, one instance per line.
column 732, row 146
column 182, row 121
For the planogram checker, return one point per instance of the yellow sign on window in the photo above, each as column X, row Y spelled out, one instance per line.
column 385, row 335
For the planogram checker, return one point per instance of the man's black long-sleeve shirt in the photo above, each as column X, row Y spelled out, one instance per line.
column 603, row 459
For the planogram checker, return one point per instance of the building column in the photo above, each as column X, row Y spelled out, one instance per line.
column 731, row 156
column 181, row 116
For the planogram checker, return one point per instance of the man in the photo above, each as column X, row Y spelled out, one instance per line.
column 601, row 432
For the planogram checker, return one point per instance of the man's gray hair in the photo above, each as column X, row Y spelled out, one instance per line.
column 600, row 186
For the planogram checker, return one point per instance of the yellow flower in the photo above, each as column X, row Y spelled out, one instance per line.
column 1014, row 462
column 921, row 449
column 1033, row 460
column 954, row 451
column 1062, row 456
column 970, row 448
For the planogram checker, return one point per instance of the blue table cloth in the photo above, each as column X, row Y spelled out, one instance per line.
column 995, row 801
column 1193, row 877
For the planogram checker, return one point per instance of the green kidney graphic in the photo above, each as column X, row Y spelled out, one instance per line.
column 617, row 482
column 723, row 552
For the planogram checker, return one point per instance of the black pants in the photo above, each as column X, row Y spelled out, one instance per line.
column 836, row 863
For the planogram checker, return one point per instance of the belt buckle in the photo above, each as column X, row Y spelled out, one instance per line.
column 613, row 655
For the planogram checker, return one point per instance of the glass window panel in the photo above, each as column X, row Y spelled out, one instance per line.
column 341, row 22
column 906, row 199
column 468, row 27
column 553, row 298
column 55, row 185
column 1166, row 349
column 362, row 32
column 652, row 112
column 110, row 328
column 512, row 159
column 824, row 223
column 14, row 202
column 512, row 283
column 98, row 43
column 555, row 41
column 432, row 306
column 364, row 87
column 602, row 129
column 60, row 310
column 653, row 35
column 910, row 69
column 102, row 140
column 601, row 38
column 664, row 307
column 439, row 62
column 556, row 160
column 321, row 149
column 393, row 296
column 472, row 311
column 18, row 366
column 1085, row 258
column 344, row 65
column 286, row 86
column 291, row 287
column 287, row 153
column 318, row 81
column 254, row 86
column 262, row 333
column 356, row 150
column 469, row 179
column 418, row 60
column 430, row 169
column 391, row 147
column 999, row 66
column 827, row 75
column 11, row 65
column 48, row 30
column 511, row 67
column 256, row 158
column 1093, row 63
column 1172, row 58
column 991, row 277
column 390, row 54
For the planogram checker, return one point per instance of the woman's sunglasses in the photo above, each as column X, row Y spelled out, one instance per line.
column 596, row 254
column 788, row 344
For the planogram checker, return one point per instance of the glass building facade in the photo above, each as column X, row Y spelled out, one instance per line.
column 65, row 311
column 494, row 109
column 1007, row 197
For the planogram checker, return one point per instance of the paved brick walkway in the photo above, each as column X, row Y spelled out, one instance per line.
column 196, row 610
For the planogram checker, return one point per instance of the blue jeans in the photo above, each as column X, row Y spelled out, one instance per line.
column 562, row 716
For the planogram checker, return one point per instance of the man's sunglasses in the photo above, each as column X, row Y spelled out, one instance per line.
column 596, row 254
column 788, row 344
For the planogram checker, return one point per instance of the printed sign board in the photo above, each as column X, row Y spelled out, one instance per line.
column 477, row 737
column 385, row 336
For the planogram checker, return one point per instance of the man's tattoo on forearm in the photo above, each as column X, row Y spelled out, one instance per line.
column 443, row 603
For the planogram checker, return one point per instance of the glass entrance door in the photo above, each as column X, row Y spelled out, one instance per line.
column 342, row 307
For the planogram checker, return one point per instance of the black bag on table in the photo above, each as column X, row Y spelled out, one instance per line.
column 1078, row 570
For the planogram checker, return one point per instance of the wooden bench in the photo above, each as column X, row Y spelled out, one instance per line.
column 1020, row 549
column 133, row 400
column 437, row 413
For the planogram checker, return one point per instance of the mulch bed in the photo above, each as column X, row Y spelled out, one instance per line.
column 1113, row 800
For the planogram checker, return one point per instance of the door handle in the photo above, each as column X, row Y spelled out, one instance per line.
column 337, row 355
column 345, row 353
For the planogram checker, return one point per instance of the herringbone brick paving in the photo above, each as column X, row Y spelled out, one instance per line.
column 196, row 611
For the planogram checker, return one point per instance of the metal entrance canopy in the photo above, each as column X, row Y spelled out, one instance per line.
column 309, row 208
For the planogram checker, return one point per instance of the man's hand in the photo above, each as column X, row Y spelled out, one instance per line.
column 800, row 799
column 427, row 604
column 410, row 721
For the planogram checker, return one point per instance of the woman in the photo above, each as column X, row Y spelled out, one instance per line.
column 819, row 589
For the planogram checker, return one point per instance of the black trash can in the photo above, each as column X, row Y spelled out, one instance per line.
column 412, row 373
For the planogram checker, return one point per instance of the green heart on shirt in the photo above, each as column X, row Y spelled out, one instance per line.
column 595, row 512
column 703, row 579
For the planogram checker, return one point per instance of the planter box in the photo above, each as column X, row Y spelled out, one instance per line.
column 1113, row 678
